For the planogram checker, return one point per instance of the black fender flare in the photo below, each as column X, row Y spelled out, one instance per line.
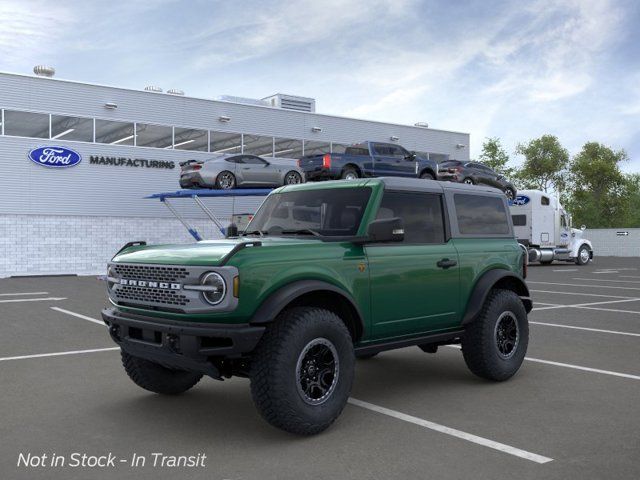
column 278, row 300
column 487, row 281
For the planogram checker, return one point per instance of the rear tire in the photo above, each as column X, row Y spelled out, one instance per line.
column 349, row 173
column 302, row 370
column 156, row 378
column 495, row 343
column 584, row 255
column 225, row 180
column 292, row 178
column 510, row 193
column 469, row 181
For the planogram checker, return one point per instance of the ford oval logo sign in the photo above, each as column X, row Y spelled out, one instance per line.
column 55, row 157
column 520, row 200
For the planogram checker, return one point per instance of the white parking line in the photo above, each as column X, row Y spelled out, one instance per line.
column 16, row 300
column 576, row 293
column 603, row 280
column 629, row 276
column 585, row 369
column 58, row 354
column 598, row 330
column 22, row 293
column 575, row 367
column 578, row 305
column 589, row 286
column 73, row 314
column 566, row 270
column 611, row 310
column 452, row 431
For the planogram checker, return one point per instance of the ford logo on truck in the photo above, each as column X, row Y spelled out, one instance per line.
column 520, row 200
column 55, row 157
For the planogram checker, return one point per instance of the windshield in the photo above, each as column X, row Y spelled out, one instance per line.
column 326, row 212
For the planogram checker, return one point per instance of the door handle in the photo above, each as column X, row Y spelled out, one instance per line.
column 446, row 263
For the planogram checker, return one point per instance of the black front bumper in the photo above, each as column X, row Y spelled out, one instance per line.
column 182, row 345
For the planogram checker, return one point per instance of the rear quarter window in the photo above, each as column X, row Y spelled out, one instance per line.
column 481, row 215
column 519, row 220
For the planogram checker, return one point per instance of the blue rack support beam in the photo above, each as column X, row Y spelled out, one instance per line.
column 196, row 196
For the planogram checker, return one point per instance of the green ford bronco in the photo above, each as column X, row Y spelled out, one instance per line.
column 325, row 273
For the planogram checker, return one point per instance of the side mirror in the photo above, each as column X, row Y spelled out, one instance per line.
column 411, row 156
column 385, row 230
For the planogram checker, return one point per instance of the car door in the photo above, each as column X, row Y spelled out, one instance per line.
column 383, row 159
column 492, row 178
column 414, row 284
column 256, row 171
column 405, row 165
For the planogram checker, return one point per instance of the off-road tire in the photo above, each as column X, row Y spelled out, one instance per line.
column 579, row 260
column 274, row 375
column 479, row 342
column 220, row 179
column 156, row 378
column 349, row 172
column 427, row 176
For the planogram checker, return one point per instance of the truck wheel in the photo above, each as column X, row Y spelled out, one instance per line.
column 495, row 343
column 225, row 180
column 156, row 378
column 427, row 176
column 584, row 255
column 510, row 193
column 350, row 173
column 468, row 181
column 302, row 370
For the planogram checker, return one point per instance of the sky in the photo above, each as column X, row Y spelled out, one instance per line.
column 509, row 69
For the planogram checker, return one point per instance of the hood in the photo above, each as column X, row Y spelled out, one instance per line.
column 207, row 252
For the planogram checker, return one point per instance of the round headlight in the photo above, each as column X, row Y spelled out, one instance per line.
column 217, row 288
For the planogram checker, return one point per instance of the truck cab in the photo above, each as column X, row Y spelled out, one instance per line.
column 542, row 225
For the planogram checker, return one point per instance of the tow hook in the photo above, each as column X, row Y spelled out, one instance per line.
column 173, row 343
column 114, row 331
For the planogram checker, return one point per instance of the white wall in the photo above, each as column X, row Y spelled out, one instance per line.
column 608, row 242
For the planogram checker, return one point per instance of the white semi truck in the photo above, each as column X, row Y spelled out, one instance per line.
column 543, row 226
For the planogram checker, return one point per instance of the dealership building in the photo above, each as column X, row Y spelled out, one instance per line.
column 129, row 144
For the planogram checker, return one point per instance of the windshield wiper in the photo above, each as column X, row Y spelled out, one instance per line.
column 302, row 231
column 255, row 232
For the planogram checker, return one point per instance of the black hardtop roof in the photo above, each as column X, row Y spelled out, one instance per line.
column 422, row 185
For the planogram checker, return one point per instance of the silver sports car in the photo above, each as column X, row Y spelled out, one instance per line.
column 239, row 170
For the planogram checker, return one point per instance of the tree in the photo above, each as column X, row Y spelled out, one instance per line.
column 633, row 192
column 495, row 156
column 600, row 192
column 545, row 164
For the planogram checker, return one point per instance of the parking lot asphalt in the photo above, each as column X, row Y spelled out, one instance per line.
column 572, row 412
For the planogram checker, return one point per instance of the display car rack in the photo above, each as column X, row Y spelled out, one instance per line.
column 197, row 196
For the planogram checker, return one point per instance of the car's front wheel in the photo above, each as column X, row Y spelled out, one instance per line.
column 584, row 255
column 495, row 343
column 225, row 180
column 427, row 176
column 302, row 370
column 292, row 178
column 157, row 378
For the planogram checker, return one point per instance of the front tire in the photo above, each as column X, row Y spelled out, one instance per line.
column 584, row 255
column 302, row 370
column 156, row 378
column 495, row 343
column 427, row 176
column 225, row 180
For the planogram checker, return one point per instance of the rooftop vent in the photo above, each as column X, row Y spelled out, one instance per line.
column 153, row 88
column 291, row 102
column 44, row 71
column 175, row 91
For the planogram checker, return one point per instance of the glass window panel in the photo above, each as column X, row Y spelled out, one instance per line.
column 258, row 145
column 222, row 142
column 72, row 128
column 115, row 133
column 316, row 148
column 157, row 136
column 26, row 124
column 190, row 139
column 287, row 148
column 338, row 147
column 421, row 214
column 481, row 215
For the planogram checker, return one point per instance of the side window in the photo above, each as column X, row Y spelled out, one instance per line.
column 519, row 220
column 234, row 160
column 563, row 221
column 481, row 215
column 544, row 200
column 397, row 151
column 421, row 214
column 381, row 149
column 253, row 160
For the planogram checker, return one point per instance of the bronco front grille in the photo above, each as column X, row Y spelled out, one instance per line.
column 134, row 294
column 152, row 273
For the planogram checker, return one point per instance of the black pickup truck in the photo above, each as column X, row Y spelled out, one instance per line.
column 368, row 159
